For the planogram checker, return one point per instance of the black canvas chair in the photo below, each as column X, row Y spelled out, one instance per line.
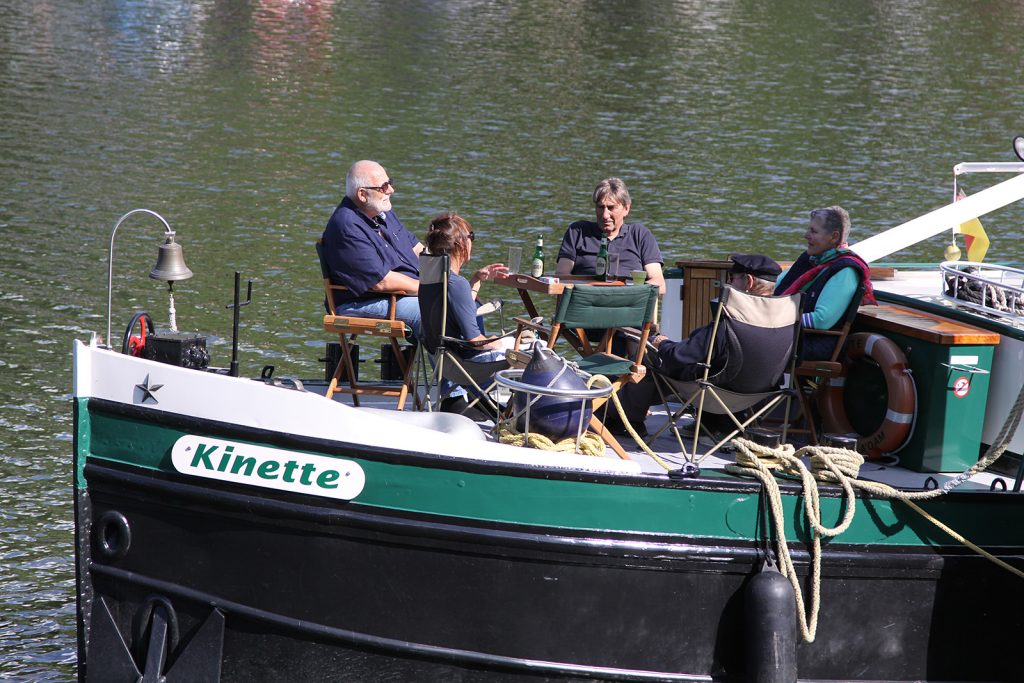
column 447, row 353
column 609, row 308
column 760, row 335
column 348, row 328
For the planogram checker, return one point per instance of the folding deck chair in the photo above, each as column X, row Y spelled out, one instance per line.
column 760, row 337
column 445, row 351
column 610, row 308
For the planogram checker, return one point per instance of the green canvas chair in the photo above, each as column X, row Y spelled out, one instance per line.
column 610, row 309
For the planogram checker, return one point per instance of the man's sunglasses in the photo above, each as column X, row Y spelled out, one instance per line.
column 382, row 188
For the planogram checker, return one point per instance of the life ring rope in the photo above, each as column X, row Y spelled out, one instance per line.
column 901, row 410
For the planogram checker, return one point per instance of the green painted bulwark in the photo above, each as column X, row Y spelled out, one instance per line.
column 83, row 439
column 699, row 511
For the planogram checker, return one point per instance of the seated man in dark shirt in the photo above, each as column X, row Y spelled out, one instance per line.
column 631, row 246
column 750, row 273
column 369, row 251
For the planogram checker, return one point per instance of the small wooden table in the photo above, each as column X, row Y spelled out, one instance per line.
column 527, row 283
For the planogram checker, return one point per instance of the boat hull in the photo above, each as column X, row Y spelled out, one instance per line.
column 317, row 592
column 445, row 568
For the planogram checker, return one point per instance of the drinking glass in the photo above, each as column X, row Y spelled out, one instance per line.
column 638, row 276
column 515, row 257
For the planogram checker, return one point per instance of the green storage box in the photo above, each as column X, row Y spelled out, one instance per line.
column 950, row 363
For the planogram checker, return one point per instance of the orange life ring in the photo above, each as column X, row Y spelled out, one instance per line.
column 901, row 409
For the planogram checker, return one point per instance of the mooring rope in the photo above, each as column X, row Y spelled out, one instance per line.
column 842, row 466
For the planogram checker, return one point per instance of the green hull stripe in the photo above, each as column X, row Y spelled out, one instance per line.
column 504, row 497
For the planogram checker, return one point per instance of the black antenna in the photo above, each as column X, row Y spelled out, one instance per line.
column 233, row 371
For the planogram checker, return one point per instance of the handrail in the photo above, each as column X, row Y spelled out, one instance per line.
column 984, row 288
column 505, row 378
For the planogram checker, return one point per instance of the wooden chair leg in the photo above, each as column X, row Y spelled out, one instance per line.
column 805, row 408
column 608, row 437
column 344, row 365
column 346, row 355
column 404, row 366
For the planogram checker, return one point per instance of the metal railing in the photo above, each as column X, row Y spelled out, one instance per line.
column 994, row 290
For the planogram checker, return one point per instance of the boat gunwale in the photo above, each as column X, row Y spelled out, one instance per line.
column 951, row 311
column 726, row 483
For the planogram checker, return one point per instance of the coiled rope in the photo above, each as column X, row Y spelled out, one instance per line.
column 842, row 466
column 590, row 443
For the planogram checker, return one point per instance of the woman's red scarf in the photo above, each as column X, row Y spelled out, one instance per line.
column 843, row 253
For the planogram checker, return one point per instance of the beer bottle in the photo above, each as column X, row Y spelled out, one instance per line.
column 537, row 267
column 601, row 265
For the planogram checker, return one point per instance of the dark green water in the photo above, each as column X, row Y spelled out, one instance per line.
column 237, row 120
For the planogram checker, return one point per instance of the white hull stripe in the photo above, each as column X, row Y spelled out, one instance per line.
column 899, row 418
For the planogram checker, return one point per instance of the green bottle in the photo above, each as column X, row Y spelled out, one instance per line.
column 537, row 267
column 601, row 265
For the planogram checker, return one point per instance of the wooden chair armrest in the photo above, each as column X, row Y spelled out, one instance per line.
column 528, row 324
column 376, row 327
column 811, row 368
column 389, row 293
column 637, row 373
column 826, row 333
column 383, row 292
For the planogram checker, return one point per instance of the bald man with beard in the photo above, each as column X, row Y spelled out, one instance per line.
column 369, row 251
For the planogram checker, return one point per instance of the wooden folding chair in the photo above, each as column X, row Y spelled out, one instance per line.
column 811, row 376
column 348, row 328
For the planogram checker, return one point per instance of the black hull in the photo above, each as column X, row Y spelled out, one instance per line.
column 350, row 593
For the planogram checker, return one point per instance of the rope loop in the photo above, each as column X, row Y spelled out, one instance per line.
column 590, row 443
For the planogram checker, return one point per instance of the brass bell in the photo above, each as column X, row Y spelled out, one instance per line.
column 170, row 263
column 951, row 252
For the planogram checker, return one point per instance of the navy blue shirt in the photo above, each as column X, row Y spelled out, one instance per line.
column 462, row 320
column 635, row 247
column 360, row 251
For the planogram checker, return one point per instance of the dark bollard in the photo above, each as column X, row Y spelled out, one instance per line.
column 847, row 441
column 770, row 627
column 764, row 437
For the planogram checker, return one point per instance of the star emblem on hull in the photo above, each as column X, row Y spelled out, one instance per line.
column 148, row 390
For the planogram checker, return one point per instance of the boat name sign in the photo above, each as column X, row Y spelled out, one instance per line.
column 273, row 468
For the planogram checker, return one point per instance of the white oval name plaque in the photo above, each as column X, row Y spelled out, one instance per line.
column 271, row 468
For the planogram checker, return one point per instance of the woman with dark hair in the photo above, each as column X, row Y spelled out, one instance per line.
column 828, row 274
column 452, row 235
